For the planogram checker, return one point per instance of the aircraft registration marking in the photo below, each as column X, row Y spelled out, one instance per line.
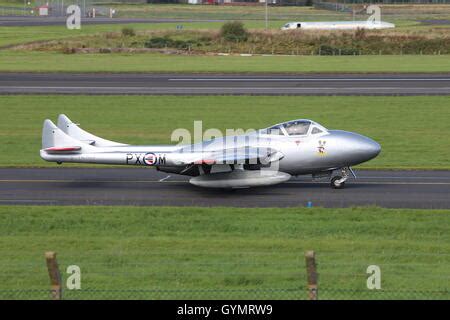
column 146, row 159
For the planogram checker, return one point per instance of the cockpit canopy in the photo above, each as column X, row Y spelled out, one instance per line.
column 301, row 127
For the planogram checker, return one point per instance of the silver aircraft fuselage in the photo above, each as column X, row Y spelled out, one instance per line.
column 295, row 148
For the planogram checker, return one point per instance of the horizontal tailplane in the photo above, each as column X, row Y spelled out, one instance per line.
column 74, row 131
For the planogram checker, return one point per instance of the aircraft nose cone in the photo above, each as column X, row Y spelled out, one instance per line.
column 367, row 147
column 354, row 148
column 373, row 148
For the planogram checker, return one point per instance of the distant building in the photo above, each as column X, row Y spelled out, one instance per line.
column 43, row 10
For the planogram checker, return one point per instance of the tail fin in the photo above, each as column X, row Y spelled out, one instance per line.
column 54, row 140
column 74, row 131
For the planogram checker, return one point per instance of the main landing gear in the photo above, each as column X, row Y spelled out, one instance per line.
column 338, row 182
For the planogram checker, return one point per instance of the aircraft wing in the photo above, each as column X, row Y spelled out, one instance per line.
column 238, row 177
column 246, row 155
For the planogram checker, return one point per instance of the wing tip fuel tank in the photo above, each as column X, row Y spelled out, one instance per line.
column 240, row 179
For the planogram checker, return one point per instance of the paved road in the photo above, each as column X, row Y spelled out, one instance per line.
column 436, row 21
column 18, row 21
column 198, row 84
column 135, row 186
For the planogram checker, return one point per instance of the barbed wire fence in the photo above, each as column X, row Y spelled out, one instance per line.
column 301, row 281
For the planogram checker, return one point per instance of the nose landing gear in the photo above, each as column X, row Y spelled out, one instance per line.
column 338, row 182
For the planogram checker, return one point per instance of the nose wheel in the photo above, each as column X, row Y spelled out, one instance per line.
column 338, row 182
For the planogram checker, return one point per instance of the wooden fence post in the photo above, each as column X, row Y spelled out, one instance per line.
column 55, row 276
column 311, row 272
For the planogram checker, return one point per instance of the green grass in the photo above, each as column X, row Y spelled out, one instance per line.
column 25, row 34
column 182, row 11
column 19, row 35
column 411, row 130
column 11, row 61
column 253, row 16
column 203, row 42
column 156, row 248
column 29, row 60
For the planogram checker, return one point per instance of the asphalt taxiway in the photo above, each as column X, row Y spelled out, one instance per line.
column 235, row 84
column 146, row 186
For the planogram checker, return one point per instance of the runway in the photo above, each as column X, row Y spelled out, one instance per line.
column 148, row 187
column 234, row 84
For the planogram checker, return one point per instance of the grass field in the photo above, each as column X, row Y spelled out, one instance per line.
column 223, row 12
column 261, row 42
column 411, row 130
column 24, row 34
column 18, row 35
column 407, row 19
column 11, row 61
column 156, row 248
column 23, row 59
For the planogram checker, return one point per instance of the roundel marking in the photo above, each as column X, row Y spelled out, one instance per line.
column 150, row 158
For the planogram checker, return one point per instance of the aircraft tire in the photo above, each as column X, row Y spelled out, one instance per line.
column 335, row 184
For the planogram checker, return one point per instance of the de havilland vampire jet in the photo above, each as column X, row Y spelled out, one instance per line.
column 260, row 158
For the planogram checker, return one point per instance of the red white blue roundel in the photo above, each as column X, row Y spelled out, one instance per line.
column 150, row 159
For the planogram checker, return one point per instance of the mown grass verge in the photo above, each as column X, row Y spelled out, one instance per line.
column 16, row 61
column 170, row 248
